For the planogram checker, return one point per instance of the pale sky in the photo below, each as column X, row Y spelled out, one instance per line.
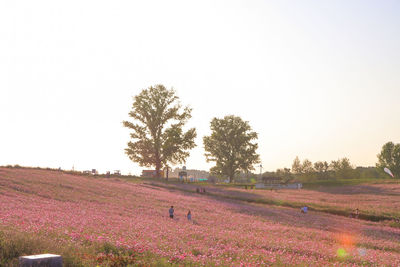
column 317, row 79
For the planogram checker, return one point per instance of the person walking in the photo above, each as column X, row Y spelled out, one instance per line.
column 356, row 213
column 189, row 216
column 171, row 212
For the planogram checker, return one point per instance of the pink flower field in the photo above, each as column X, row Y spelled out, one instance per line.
column 134, row 216
column 377, row 199
column 374, row 199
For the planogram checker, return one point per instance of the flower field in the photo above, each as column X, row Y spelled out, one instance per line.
column 377, row 199
column 372, row 199
column 84, row 210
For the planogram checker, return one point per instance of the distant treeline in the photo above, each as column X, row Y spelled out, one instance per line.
column 322, row 170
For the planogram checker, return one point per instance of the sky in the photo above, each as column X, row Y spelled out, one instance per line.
column 315, row 79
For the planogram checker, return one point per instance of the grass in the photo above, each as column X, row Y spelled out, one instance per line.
column 14, row 244
column 344, row 182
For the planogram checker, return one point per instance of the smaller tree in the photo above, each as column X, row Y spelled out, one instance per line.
column 285, row 174
column 231, row 146
column 297, row 168
column 307, row 166
column 345, row 164
column 321, row 167
column 341, row 167
column 334, row 165
column 390, row 158
column 326, row 166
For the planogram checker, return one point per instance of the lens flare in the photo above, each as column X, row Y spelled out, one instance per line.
column 346, row 242
column 341, row 252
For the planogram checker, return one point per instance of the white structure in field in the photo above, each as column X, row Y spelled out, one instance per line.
column 48, row 260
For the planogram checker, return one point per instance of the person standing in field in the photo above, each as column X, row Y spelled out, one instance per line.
column 304, row 209
column 189, row 216
column 171, row 212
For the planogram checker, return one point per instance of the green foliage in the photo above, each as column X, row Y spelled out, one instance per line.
column 231, row 146
column 369, row 172
column 394, row 223
column 110, row 255
column 307, row 166
column 321, row 167
column 297, row 168
column 14, row 244
column 337, row 169
column 390, row 158
column 284, row 174
column 158, row 136
column 341, row 167
column 197, row 252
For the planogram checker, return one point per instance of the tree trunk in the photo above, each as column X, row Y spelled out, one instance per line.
column 230, row 179
column 158, row 163
column 158, row 167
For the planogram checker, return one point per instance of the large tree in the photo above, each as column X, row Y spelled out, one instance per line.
column 390, row 158
column 158, row 137
column 231, row 146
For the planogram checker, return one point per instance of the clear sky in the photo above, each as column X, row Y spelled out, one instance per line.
column 317, row 79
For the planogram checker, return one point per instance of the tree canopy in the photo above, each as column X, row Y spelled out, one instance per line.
column 307, row 166
column 340, row 168
column 231, row 146
column 297, row 168
column 321, row 166
column 390, row 158
column 158, row 137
